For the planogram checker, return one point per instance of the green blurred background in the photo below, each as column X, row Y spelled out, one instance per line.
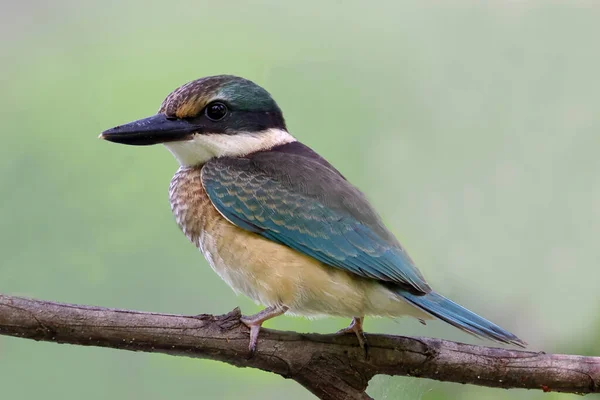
column 473, row 127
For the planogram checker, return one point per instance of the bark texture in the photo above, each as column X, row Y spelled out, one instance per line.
column 332, row 367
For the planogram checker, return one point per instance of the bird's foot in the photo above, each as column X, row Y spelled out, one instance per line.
column 254, row 322
column 356, row 327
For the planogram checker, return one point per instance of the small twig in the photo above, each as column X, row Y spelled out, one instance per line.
column 330, row 366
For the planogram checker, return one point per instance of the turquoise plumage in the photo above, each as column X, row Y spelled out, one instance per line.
column 330, row 220
column 292, row 211
column 458, row 316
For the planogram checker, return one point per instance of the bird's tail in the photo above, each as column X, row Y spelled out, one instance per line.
column 447, row 310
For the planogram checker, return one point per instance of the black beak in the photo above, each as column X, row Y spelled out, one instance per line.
column 151, row 130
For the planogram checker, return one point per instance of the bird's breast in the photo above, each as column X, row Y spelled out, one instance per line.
column 244, row 260
column 191, row 206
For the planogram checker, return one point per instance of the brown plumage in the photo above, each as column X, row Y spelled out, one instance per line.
column 189, row 99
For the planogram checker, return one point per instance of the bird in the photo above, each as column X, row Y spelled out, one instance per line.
column 279, row 223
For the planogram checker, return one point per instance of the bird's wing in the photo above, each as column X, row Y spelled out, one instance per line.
column 308, row 206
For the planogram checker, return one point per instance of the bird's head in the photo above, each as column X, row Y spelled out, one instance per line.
column 210, row 117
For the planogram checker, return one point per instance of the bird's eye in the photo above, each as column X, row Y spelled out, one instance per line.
column 216, row 111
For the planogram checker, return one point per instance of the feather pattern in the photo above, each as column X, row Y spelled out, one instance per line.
column 284, row 198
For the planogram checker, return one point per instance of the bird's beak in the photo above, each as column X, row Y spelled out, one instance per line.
column 151, row 130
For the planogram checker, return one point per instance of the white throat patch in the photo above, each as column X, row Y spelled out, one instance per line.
column 203, row 147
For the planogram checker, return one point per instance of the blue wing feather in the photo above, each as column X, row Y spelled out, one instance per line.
column 255, row 200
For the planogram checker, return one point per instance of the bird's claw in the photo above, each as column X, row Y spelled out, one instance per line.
column 254, row 330
column 356, row 328
column 254, row 322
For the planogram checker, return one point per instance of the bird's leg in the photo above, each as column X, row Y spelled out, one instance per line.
column 254, row 322
column 356, row 327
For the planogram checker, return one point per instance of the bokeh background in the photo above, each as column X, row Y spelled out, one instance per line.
column 474, row 127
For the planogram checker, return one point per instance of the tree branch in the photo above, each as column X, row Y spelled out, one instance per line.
column 330, row 366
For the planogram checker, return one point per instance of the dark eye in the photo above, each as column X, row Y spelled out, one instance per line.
column 216, row 111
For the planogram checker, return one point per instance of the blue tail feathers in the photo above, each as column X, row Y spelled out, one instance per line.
column 458, row 316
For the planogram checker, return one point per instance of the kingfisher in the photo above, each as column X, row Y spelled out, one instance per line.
column 277, row 222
